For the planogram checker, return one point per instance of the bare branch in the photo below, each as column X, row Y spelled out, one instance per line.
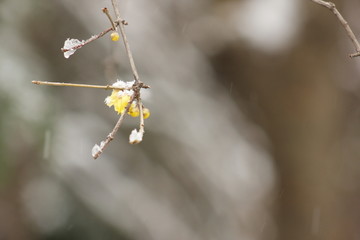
column 126, row 43
column 106, row 87
column 331, row 6
column 88, row 40
column 106, row 11
column 111, row 135
column 142, row 124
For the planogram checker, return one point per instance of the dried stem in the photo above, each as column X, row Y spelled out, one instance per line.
column 142, row 124
column 331, row 6
column 126, row 43
column 88, row 40
column 106, row 87
column 111, row 135
column 106, row 11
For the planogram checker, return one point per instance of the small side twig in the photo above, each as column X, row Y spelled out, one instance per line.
column 331, row 6
column 106, row 11
column 88, row 40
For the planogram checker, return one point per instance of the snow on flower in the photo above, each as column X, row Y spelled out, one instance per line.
column 71, row 45
column 122, row 84
column 119, row 102
column 135, row 136
column 120, row 98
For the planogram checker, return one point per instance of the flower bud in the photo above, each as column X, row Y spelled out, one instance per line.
column 114, row 36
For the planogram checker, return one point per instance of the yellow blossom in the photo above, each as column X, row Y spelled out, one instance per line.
column 118, row 101
column 134, row 110
column 114, row 36
column 146, row 113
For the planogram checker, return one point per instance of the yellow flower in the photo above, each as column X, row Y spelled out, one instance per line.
column 146, row 113
column 134, row 110
column 118, row 101
column 114, row 36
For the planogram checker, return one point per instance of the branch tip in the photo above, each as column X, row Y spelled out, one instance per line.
column 354, row 55
column 331, row 6
column 106, row 11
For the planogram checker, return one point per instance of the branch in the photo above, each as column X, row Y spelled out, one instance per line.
column 126, row 43
column 142, row 124
column 106, row 11
column 331, row 6
column 106, row 87
column 97, row 150
column 88, row 40
column 71, row 45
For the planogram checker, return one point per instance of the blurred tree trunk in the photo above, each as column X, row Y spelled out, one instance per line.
column 296, row 98
column 13, row 224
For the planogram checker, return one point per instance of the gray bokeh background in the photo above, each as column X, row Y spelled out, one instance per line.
column 254, row 128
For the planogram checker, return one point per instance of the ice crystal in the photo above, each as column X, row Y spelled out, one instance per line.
column 135, row 136
column 71, row 45
column 95, row 150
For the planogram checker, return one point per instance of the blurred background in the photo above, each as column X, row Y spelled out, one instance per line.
column 254, row 132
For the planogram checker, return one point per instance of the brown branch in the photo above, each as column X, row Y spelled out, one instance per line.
column 88, row 40
column 126, row 43
column 111, row 135
column 106, row 11
column 106, row 87
column 331, row 6
column 142, row 124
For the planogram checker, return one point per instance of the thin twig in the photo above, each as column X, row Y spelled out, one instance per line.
column 111, row 135
column 142, row 124
column 106, row 87
column 331, row 6
column 88, row 40
column 126, row 43
column 106, row 11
